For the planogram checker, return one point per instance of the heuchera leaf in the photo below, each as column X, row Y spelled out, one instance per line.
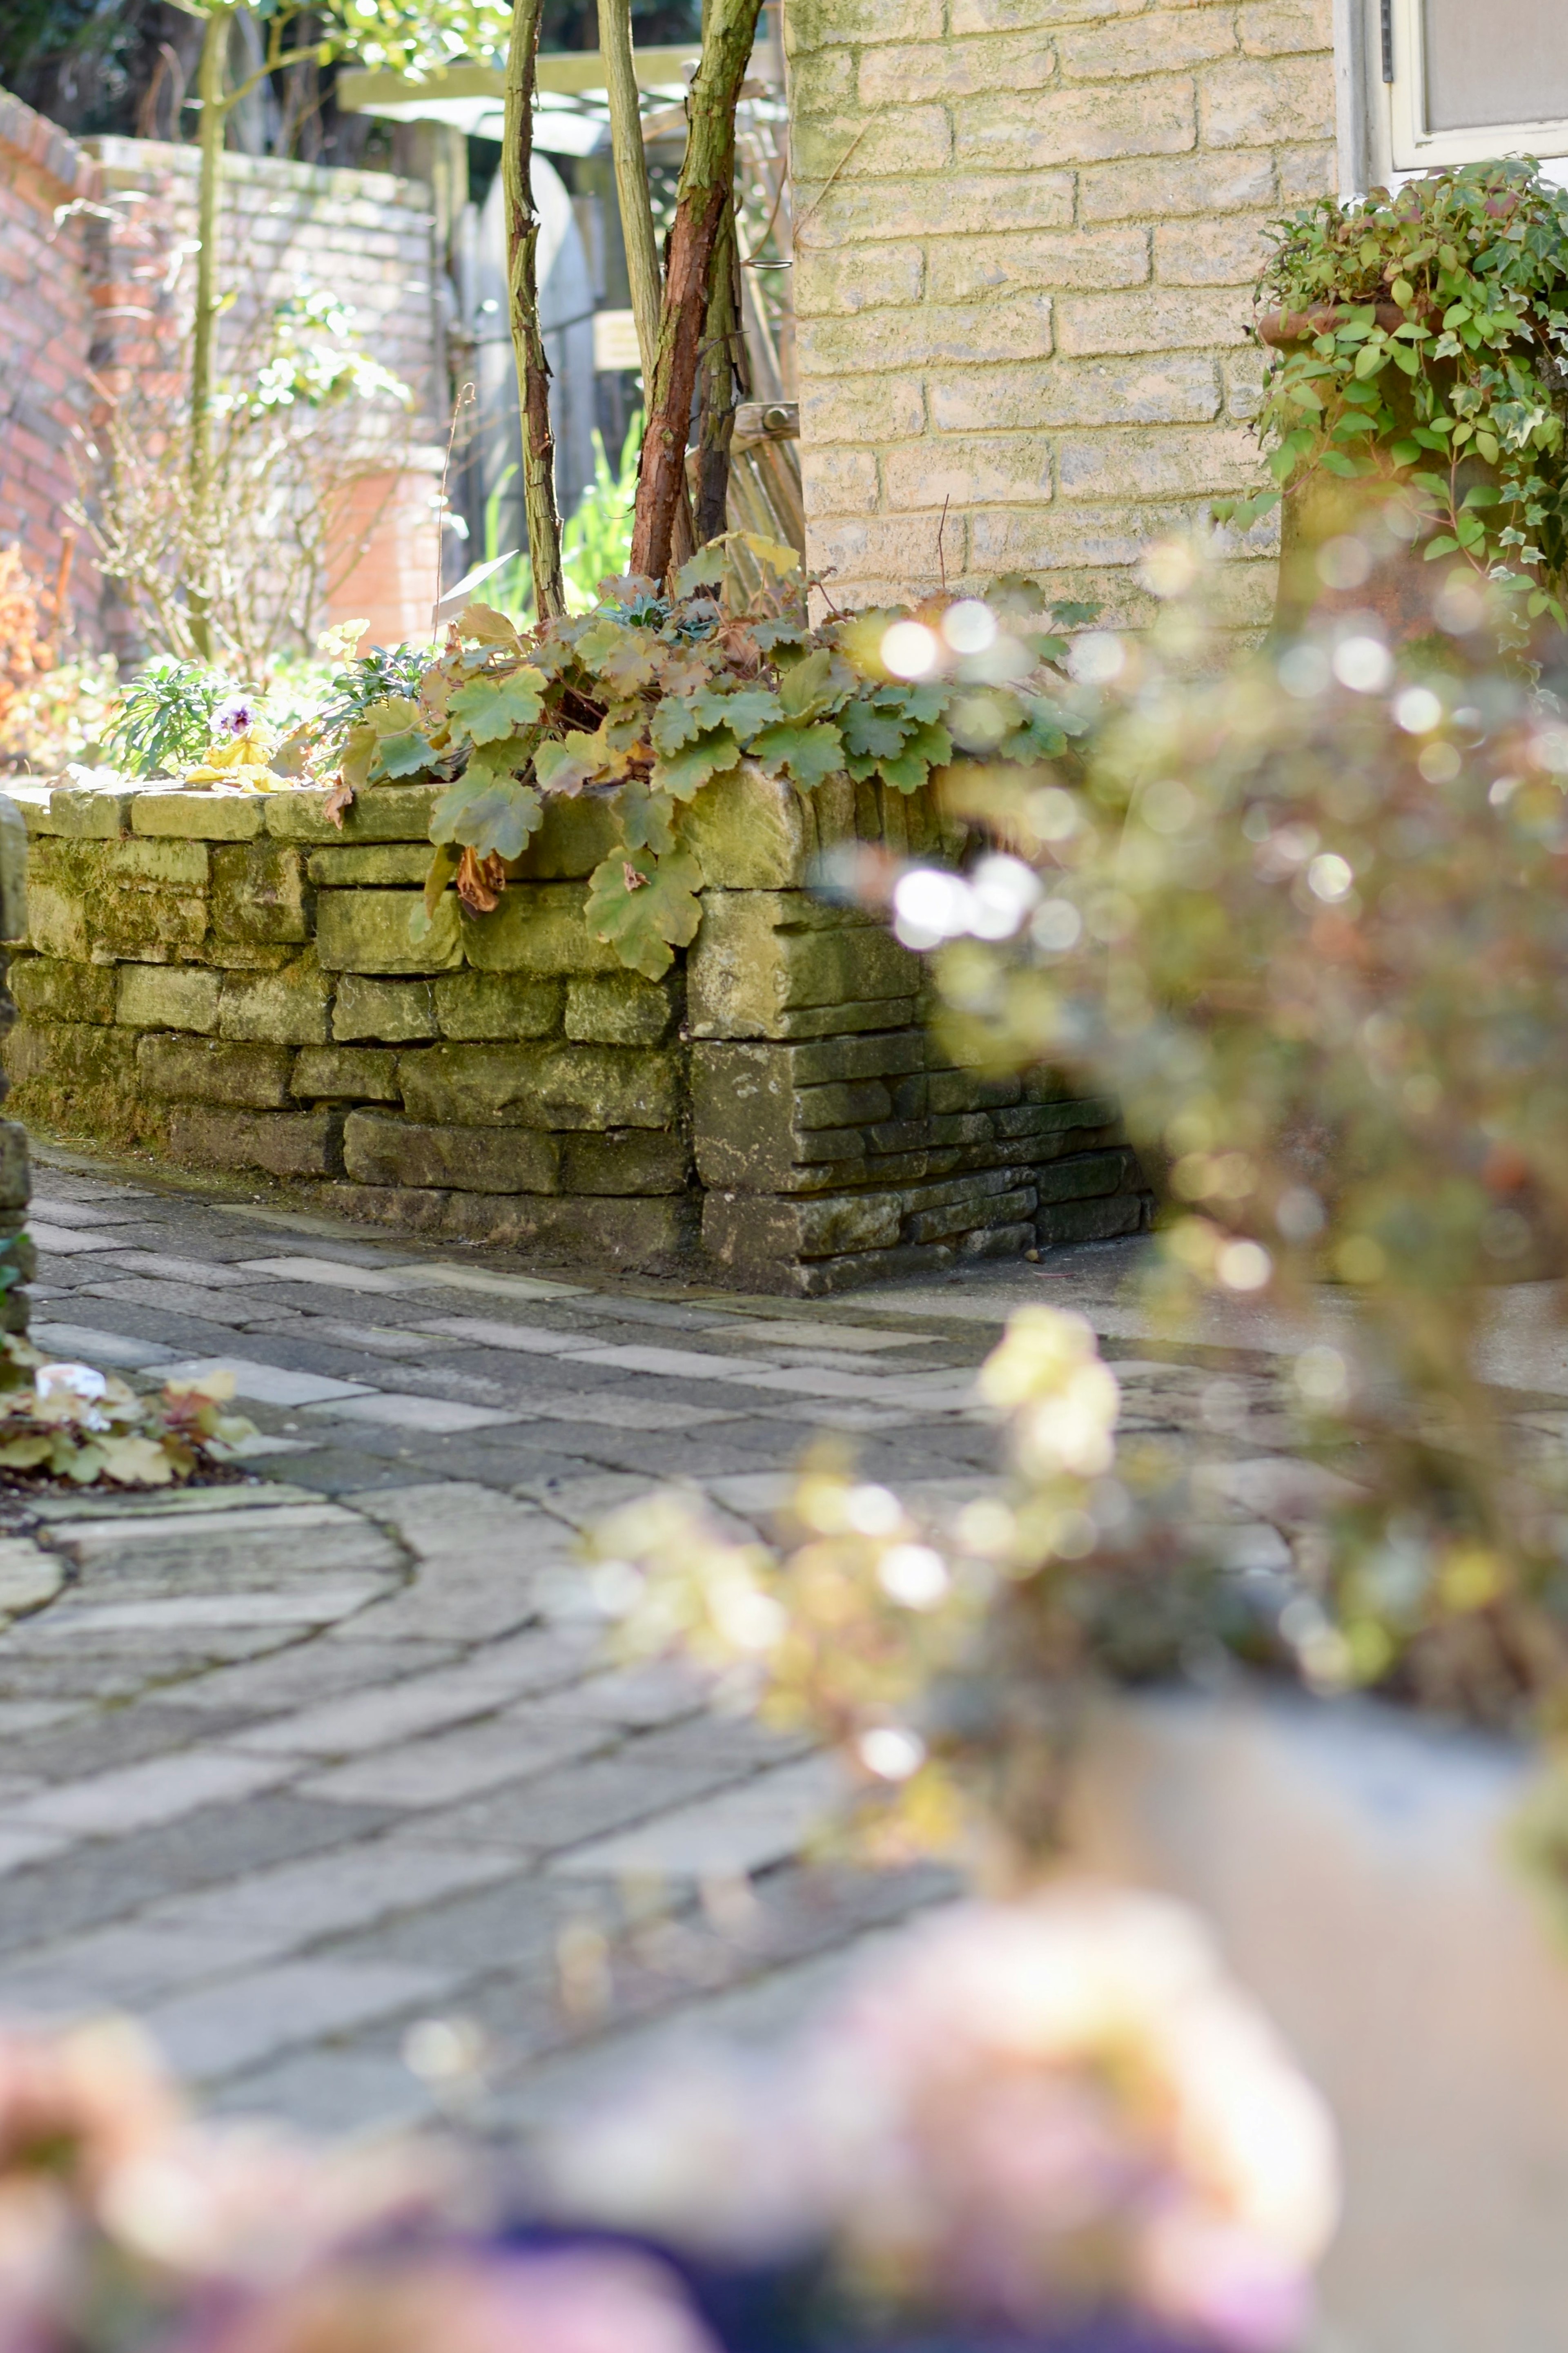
column 644, row 907
column 406, row 754
column 489, row 706
column 928, row 747
column 809, row 753
column 490, row 815
column 773, row 553
column 648, row 819
column 703, row 570
column 810, row 689
column 743, row 714
column 713, row 755
column 483, row 626
column 870, row 734
column 675, row 722
column 567, row 765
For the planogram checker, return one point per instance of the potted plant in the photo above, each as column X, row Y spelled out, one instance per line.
column 1414, row 403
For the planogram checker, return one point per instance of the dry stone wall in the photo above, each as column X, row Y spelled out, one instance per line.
column 236, row 984
column 1027, row 232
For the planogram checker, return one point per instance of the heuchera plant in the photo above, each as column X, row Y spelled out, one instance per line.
column 654, row 698
column 1415, row 333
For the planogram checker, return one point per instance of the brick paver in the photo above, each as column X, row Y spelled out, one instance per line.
column 291, row 1768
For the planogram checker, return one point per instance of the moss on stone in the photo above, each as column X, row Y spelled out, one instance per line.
column 289, row 1008
column 259, row 894
column 621, row 1008
column 346, row 1073
column 382, row 1151
column 50, row 989
column 167, row 997
column 396, row 1012
column 542, row 1086
column 207, row 1070
column 372, row 932
column 501, row 1006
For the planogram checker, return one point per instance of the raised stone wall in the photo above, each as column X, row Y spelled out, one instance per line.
column 1025, row 236
column 235, row 983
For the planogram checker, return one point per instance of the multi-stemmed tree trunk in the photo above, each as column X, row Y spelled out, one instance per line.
column 522, row 288
column 214, row 113
column 705, row 196
column 723, row 370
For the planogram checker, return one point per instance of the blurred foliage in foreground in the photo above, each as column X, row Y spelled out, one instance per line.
column 1055, row 2126
column 1306, row 917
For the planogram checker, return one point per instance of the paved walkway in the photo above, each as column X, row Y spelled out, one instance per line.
column 303, row 1772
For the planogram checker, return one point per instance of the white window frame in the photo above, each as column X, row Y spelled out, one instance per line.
column 1414, row 148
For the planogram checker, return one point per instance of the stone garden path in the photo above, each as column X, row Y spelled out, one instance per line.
column 306, row 1772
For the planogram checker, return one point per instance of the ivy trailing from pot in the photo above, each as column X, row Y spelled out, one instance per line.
column 652, row 700
column 1420, row 350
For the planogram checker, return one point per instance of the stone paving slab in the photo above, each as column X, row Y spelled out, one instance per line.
column 292, row 1766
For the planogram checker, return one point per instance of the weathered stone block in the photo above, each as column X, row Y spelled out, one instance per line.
column 634, row 1160
column 656, row 1234
column 1104, row 1219
column 198, row 817
column 15, row 1173
column 749, row 833
column 284, row 1144
column 576, row 834
column 72, row 1054
column 771, row 963
column 288, row 1008
column 477, row 1006
column 82, row 814
column 357, row 1073
column 203, row 1070
column 167, row 997
column 259, row 894
column 147, row 926
column 370, row 931
column 1087, row 1175
column 13, row 871
column 541, row 1086
column 382, row 1151
column 741, row 1230
column 172, row 865
column 538, row 928
column 56, row 921
column 381, row 813
column 396, row 1012
column 973, row 1212
column 620, row 1009
column 371, row 862
column 48, row 989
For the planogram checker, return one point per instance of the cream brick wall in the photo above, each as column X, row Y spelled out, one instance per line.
column 1025, row 236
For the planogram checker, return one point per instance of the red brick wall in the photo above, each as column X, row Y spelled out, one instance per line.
column 47, row 324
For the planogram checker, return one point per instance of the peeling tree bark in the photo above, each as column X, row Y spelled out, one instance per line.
column 707, row 186
column 723, row 365
column 522, row 291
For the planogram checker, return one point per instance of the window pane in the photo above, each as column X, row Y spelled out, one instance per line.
column 1495, row 61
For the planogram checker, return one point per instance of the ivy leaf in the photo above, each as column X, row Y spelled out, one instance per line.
column 491, row 815
column 1341, row 463
column 810, row 754
column 648, row 819
column 871, row 734
column 645, row 907
column 567, row 765
column 1442, row 545
column 489, row 706
column 686, row 771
